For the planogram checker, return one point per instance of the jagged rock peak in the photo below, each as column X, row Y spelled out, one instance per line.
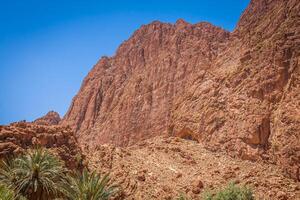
column 181, row 23
column 51, row 118
column 166, row 35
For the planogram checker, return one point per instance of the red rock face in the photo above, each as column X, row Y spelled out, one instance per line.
column 131, row 96
column 17, row 137
column 236, row 92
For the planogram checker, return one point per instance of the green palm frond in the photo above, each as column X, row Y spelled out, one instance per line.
column 36, row 174
column 88, row 186
column 7, row 175
column 6, row 193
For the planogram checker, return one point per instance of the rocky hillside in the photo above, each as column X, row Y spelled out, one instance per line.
column 234, row 92
column 162, row 168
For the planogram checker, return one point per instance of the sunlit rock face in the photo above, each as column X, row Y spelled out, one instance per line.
column 235, row 92
column 19, row 136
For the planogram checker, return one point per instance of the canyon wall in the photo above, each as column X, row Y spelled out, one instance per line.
column 237, row 92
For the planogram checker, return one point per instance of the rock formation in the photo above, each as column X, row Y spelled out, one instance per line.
column 131, row 96
column 17, row 137
column 51, row 118
column 235, row 92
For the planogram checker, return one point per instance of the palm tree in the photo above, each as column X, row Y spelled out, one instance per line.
column 36, row 174
column 88, row 186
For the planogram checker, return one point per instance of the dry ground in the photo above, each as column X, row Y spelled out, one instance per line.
column 161, row 168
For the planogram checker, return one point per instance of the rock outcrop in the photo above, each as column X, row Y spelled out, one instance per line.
column 19, row 136
column 51, row 118
column 234, row 92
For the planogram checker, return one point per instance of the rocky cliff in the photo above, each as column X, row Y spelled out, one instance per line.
column 235, row 92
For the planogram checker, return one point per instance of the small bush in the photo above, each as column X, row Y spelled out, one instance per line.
column 231, row 192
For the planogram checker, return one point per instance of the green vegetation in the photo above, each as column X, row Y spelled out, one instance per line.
column 40, row 175
column 35, row 175
column 231, row 192
column 88, row 186
column 182, row 197
column 6, row 193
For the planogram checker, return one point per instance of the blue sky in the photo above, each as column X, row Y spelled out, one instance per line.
column 47, row 47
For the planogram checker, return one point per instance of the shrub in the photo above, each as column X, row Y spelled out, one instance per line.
column 182, row 197
column 231, row 192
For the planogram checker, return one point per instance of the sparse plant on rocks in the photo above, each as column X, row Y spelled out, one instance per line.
column 231, row 192
column 182, row 197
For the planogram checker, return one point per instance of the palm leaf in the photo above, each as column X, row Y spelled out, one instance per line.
column 88, row 186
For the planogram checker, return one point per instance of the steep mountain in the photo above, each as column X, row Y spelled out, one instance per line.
column 235, row 92
column 130, row 97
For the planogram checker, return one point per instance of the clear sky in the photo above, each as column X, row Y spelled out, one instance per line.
column 48, row 46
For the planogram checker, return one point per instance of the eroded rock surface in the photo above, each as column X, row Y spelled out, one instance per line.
column 233, row 92
column 162, row 168
column 17, row 137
